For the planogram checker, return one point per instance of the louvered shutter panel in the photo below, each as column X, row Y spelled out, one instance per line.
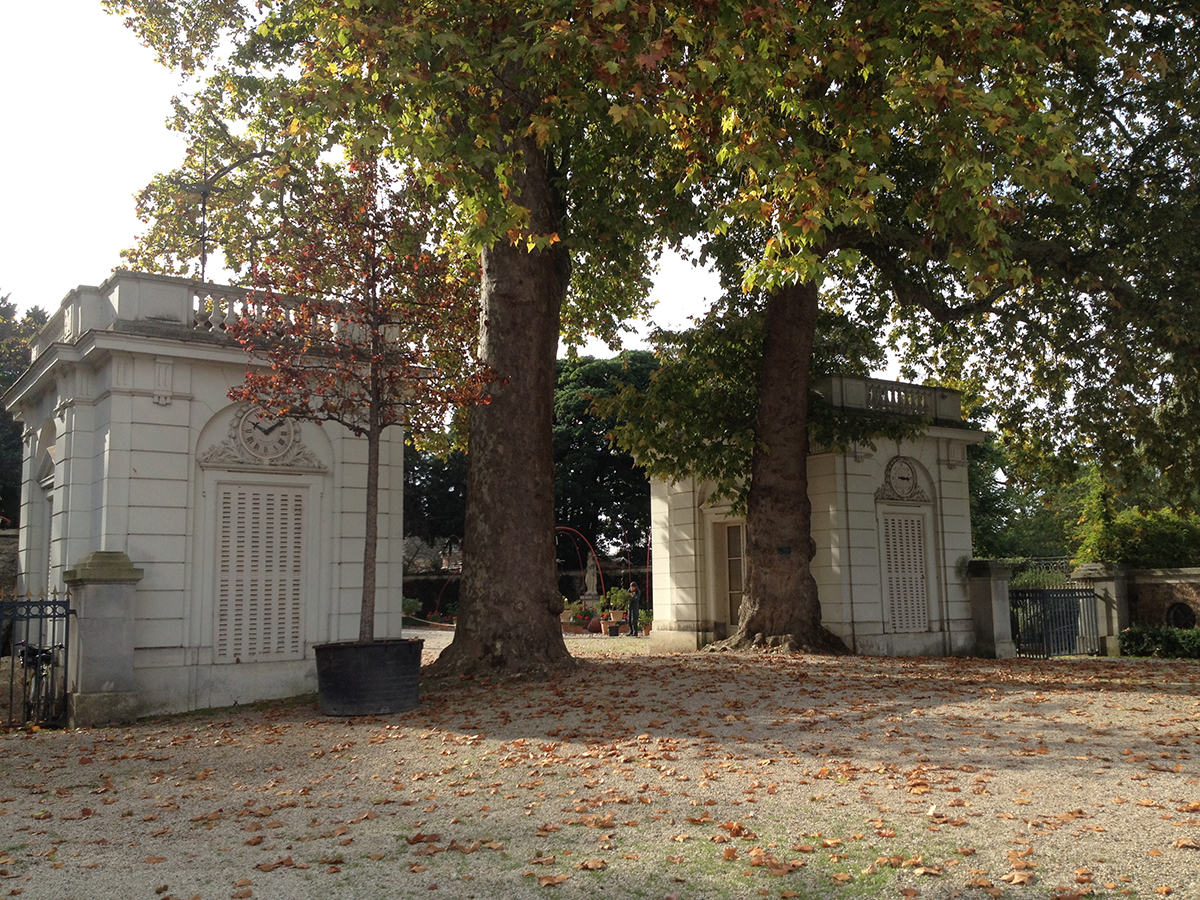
column 907, row 581
column 259, row 581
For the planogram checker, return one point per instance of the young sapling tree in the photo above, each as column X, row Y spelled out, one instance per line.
column 362, row 320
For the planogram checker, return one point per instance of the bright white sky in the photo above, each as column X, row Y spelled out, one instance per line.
column 82, row 110
column 82, row 113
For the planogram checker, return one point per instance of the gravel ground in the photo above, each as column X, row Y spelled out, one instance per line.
column 684, row 776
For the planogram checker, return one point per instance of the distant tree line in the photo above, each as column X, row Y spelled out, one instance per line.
column 599, row 490
column 16, row 333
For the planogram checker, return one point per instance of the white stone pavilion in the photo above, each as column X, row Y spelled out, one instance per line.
column 892, row 528
column 230, row 544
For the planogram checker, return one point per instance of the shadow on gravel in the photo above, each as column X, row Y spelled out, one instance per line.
column 695, row 776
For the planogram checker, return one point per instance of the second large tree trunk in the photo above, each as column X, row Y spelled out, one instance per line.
column 780, row 605
column 509, row 602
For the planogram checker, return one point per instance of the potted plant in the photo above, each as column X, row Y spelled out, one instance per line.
column 645, row 618
column 616, row 602
column 362, row 325
column 575, row 618
column 411, row 607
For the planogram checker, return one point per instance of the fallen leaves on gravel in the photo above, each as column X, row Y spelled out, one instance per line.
column 550, row 880
column 605, row 776
column 419, row 838
column 1016, row 877
column 282, row 862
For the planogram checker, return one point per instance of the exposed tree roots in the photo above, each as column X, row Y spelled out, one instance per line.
column 500, row 659
column 823, row 641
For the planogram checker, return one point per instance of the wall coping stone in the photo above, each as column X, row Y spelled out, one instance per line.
column 1099, row 571
column 988, row 568
column 1168, row 576
column 104, row 567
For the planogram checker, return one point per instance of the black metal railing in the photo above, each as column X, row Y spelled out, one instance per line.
column 36, row 637
column 1050, row 622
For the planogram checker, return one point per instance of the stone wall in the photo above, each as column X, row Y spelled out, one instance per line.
column 1153, row 593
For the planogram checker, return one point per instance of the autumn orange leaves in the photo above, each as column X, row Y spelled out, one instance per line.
column 835, row 778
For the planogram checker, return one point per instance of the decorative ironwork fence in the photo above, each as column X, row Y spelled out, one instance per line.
column 1050, row 622
column 1043, row 572
column 35, row 640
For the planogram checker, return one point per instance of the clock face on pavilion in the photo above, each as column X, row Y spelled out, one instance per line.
column 902, row 478
column 265, row 436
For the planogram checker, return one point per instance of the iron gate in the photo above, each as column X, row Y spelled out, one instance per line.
column 36, row 638
column 1050, row 622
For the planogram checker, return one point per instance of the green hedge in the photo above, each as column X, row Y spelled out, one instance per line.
column 1161, row 641
column 1151, row 539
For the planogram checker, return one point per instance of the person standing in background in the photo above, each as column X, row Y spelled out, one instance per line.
column 635, row 607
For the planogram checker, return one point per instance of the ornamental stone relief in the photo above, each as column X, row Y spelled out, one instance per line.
column 257, row 440
column 900, row 482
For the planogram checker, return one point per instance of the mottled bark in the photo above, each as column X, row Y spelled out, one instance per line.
column 509, row 602
column 780, row 605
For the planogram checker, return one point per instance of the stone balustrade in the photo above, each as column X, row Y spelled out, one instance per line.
column 892, row 397
column 900, row 399
column 216, row 307
column 141, row 297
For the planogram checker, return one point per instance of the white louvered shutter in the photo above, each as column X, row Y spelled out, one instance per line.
column 905, row 572
column 260, row 576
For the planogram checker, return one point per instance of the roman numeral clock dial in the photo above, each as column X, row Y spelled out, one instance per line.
column 266, row 437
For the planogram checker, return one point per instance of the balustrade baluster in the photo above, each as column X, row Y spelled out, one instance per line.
column 231, row 313
column 200, row 317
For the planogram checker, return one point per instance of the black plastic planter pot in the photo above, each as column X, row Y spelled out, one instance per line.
column 369, row 679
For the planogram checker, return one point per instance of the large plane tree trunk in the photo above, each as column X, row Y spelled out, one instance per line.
column 509, row 602
column 780, row 605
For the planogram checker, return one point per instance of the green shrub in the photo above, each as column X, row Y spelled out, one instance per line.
column 1161, row 641
column 1155, row 539
column 411, row 607
column 645, row 618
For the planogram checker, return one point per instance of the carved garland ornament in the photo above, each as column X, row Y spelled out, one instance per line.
column 257, row 440
column 900, row 482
